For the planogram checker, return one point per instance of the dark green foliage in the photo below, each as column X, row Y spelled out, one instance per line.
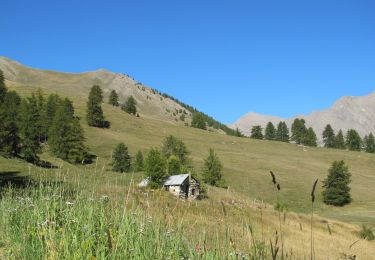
column 155, row 168
column 29, row 129
column 66, row 139
column 3, row 88
column 270, row 132
column 299, row 131
column 353, row 140
column 182, row 117
column 282, row 132
column 339, row 140
column 174, row 146
column 336, row 186
column 9, row 132
column 212, row 169
column 238, row 133
column 121, row 160
column 329, row 137
column 310, row 138
column 130, row 106
column 95, row 115
column 366, row 233
column 369, row 142
column 41, row 106
column 113, row 98
column 138, row 163
column 198, row 121
column 53, row 102
column 173, row 165
column 256, row 132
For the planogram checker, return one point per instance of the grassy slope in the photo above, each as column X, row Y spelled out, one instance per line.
column 246, row 162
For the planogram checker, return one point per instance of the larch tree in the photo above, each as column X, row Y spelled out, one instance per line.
column 256, row 132
column 130, row 106
column 270, row 132
column 282, row 132
column 121, row 160
column 299, row 130
column 353, row 140
column 339, row 140
column 174, row 146
column 138, row 162
column 198, row 121
column 212, row 171
column 310, row 138
column 3, row 88
column 329, row 137
column 113, row 98
column 369, row 142
column 95, row 115
column 155, row 168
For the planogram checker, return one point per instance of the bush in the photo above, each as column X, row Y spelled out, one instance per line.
column 366, row 233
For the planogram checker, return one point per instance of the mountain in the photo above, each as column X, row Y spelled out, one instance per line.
column 348, row 112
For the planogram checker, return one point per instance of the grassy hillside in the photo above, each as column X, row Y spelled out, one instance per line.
column 246, row 169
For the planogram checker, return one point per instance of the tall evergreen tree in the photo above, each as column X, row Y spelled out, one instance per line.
column 369, row 142
column 121, row 160
column 310, row 138
column 113, row 98
column 9, row 132
column 353, row 140
column 198, row 121
column 212, row 169
column 339, row 140
column 173, row 165
column 138, row 163
column 130, row 106
column 41, row 106
column 53, row 102
column 66, row 139
column 282, row 132
column 299, row 130
column 29, row 129
column 256, row 132
column 155, row 168
column 95, row 115
column 174, row 146
column 238, row 133
column 3, row 88
column 336, row 186
column 329, row 137
column 270, row 132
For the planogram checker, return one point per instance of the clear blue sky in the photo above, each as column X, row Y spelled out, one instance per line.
column 224, row 57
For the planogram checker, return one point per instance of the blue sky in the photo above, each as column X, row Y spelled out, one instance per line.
column 224, row 57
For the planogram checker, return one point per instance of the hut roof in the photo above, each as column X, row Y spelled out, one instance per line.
column 176, row 179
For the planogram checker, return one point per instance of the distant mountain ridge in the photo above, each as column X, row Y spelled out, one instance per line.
column 347, row 112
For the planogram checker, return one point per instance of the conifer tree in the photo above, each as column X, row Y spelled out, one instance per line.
column 336, row 186
column 270, row 132
column 212, row 169
column 256, row 132
column 41, row 106
column 174, row 146
column 29, row 129
column 339, row 140
column 3, row 88
column 173, row 165
column 66, row 139
column 138, row 163
column 53, row 102
column 299, row 131
column 329, row 137
column 121, row 160
column 353, row 140
column 198, row 121
column 369, row 142
column 9, row 132
column 310, row 138
column 130, row 106
column 238, row 133
column 113, row 98
column 95, row 115
column 155, row 168
column 282, row 132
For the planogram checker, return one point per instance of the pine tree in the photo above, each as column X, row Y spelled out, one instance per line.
column 329, row 137
column 155, row 168
column 310, row 138
column 339, row 141
column 173, row 165
column 29, row 129
column 299, row 131
column 130, row 106
column 66, row 139
column 121, row 160
column 174, row 146
column 270, row 132
column 138, row 163
column 238, row 133
column 336, row 187
column 198, row 121
column 113, row 98
column 256, row 132
column 212, row 169
column 41, row 106
column 353, row 140
column 9, row 132
column 53, row 102
column 369, row 142
column 282, row 132
column 95, row 115
column 3, row 88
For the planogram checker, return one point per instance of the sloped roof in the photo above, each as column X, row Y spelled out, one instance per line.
column 171, row 180
column 176, row 179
